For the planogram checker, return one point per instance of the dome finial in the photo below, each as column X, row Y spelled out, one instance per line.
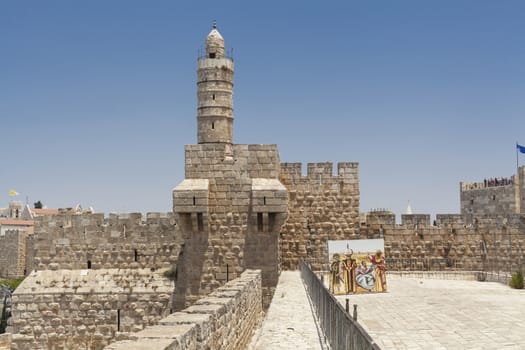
column 214, row 24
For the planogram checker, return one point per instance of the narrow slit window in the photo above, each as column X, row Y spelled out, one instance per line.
column 186, row 223
column 213, row 125
column 200, row 222
column 193, row 200
column 213, row 97
column 271, row 221
column 259, row 222
column 89, row 264
column 136, row 255
column 118, row 320
column 264, row 200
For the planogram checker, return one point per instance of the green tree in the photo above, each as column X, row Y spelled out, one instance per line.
column 3, row 318
column 38, row 205
column 516, row 280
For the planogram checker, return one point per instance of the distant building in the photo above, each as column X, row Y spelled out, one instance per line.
column 16, row 231
column 31, row 213
column 15, row 225
column 494, row 196
column 13, row 211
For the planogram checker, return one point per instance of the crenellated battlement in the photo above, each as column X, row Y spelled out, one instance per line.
column 116, row 241
column 386, row 219
column 75, row 221
column 321, row 204
column 238, row 208
column 321, row 172
column 494, row 195
column 416, row 220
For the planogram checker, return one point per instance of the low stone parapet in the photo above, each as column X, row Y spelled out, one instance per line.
column 439, row 275
column 86, row 309
column 5, row 341
column 225, row 319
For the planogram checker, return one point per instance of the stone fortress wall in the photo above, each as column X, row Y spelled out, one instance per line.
column 5, row 341
column 82, row 241
column 230, row 205
column 230, row 208
column 94, row 276
column 13, row 254
column 238, row 209
column 453, row 241
column 225, row 319
column 321, row 207
column 86, row 309
column 494, row 196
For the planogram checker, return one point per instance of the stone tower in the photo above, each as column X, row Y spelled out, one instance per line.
column 505, row 197
column 215, row 92
column 231, row 205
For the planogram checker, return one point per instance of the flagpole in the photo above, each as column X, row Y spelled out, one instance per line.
column 517, row 161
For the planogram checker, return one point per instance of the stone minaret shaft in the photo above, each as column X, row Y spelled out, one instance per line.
column 215, row 93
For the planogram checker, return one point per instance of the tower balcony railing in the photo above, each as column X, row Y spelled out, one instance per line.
column 201, row 54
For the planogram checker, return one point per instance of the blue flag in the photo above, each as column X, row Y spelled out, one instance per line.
column 520, row 148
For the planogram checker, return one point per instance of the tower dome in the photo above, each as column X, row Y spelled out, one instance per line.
column 214, row 43
column 215, row 92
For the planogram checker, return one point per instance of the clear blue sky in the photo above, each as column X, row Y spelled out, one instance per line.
column 98, row 98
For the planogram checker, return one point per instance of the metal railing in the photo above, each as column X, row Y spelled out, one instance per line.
column 423, row 264
column 341, row 331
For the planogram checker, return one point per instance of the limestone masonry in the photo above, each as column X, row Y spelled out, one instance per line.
column 493, row 196
column 239, row 217
column 13, row 247
column 226, row 319
column 321, row 207
column 91, row 241
column 84, row 309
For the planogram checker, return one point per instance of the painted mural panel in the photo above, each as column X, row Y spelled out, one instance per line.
column 361, row 272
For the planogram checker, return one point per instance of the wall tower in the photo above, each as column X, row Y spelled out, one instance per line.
column 215, row 92
column 230, row 207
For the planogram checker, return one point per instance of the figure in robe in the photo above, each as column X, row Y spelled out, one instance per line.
column 365, row 276
column 334, row 274
column 378, row 263
column 348, row 266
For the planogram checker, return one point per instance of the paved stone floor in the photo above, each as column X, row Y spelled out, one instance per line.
column 289, row 322
column 439, row 314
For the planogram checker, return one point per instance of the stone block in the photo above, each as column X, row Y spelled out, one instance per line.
column 145, row 344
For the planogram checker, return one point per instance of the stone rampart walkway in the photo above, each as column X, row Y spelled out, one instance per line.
column 439, row 314
column 289, row 322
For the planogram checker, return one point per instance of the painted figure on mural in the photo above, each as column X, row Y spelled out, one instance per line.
column 360, row 268
column 378, row 264
column 364, row 276
column 348, row 266
column 334, row 274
